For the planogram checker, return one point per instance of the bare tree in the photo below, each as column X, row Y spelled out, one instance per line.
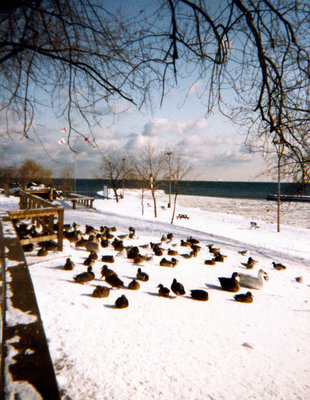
column 151, row 168
column 180, row 169
column 116, row 170
column 31, row 171
column 259, row 49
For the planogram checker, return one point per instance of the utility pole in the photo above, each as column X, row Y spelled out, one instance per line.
column 169, row 155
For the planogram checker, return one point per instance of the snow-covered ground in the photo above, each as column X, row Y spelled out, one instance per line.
column 177, row 347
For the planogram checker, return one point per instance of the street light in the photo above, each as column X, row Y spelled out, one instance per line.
column 169, row 155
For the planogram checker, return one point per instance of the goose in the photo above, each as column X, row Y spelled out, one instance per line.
column 134, row 285
column 251, row 281
column 163, row 291
column 230, row 284
column 244, row 298
column 101, row 291
column 142, row 276
column 199, row 294
column 177, row 288
column 121, row 302
column 278, row 266
column 69, row 264
column 85, row 276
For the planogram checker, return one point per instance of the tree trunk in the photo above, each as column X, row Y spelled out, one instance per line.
column 142, row 201
column 154, row 201
column 174, row 206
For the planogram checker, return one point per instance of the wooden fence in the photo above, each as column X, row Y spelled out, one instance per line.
column 43, row 213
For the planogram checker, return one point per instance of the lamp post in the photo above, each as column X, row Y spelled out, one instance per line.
column 279, row 145
column 169, row 155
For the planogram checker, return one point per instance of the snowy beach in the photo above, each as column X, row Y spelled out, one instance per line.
column 177, row 347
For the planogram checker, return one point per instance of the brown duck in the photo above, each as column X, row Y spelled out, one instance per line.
column 101, row 291
column 85, row 276
column 244, row 298
column 134, row 285
column 230, row 284
column 69, row 265
column 121, row 302
column 163, row 291
column 199, row 294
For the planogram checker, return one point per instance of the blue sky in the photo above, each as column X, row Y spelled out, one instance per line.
column 214, row 145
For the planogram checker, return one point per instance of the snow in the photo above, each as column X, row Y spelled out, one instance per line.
column 176, row 347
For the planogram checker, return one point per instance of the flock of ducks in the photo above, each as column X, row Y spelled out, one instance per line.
column 93, row 240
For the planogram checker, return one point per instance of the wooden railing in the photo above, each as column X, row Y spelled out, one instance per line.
column 41, row 212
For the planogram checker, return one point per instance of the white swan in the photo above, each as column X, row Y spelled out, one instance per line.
column 253, row 282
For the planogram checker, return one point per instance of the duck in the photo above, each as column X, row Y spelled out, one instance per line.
column 169, row 236
column 85, row 276
column 250, row 263
column 89, row 261
column 101, row 291
column 230, row 284
column 142, row 276
column 108, row 259
column 132, row 252
column 28, row 247
column 42, row 252
column 93, row 255
column 168, row 263
column 114, row 281
column 118, row 244
column 69, row 264
column 244, row 297
column 210, row 262
column 199, row 294
column 177, row 288
column 218, row 257
column 105, row 271
column 134, row 285
column 278, row 266
column 192, row 240
column 251, row 281
column 121, row 302
column 50, row 245
column 92, row 245
column 184, row 243
column 163, row 291
column 172, row 252
column 73, row 236
column 213, row 249
column 139, row 259
column 104, row 243
column 243, row 252
column 299, row 279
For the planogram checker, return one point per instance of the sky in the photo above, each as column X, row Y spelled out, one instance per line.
column 213, row 145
